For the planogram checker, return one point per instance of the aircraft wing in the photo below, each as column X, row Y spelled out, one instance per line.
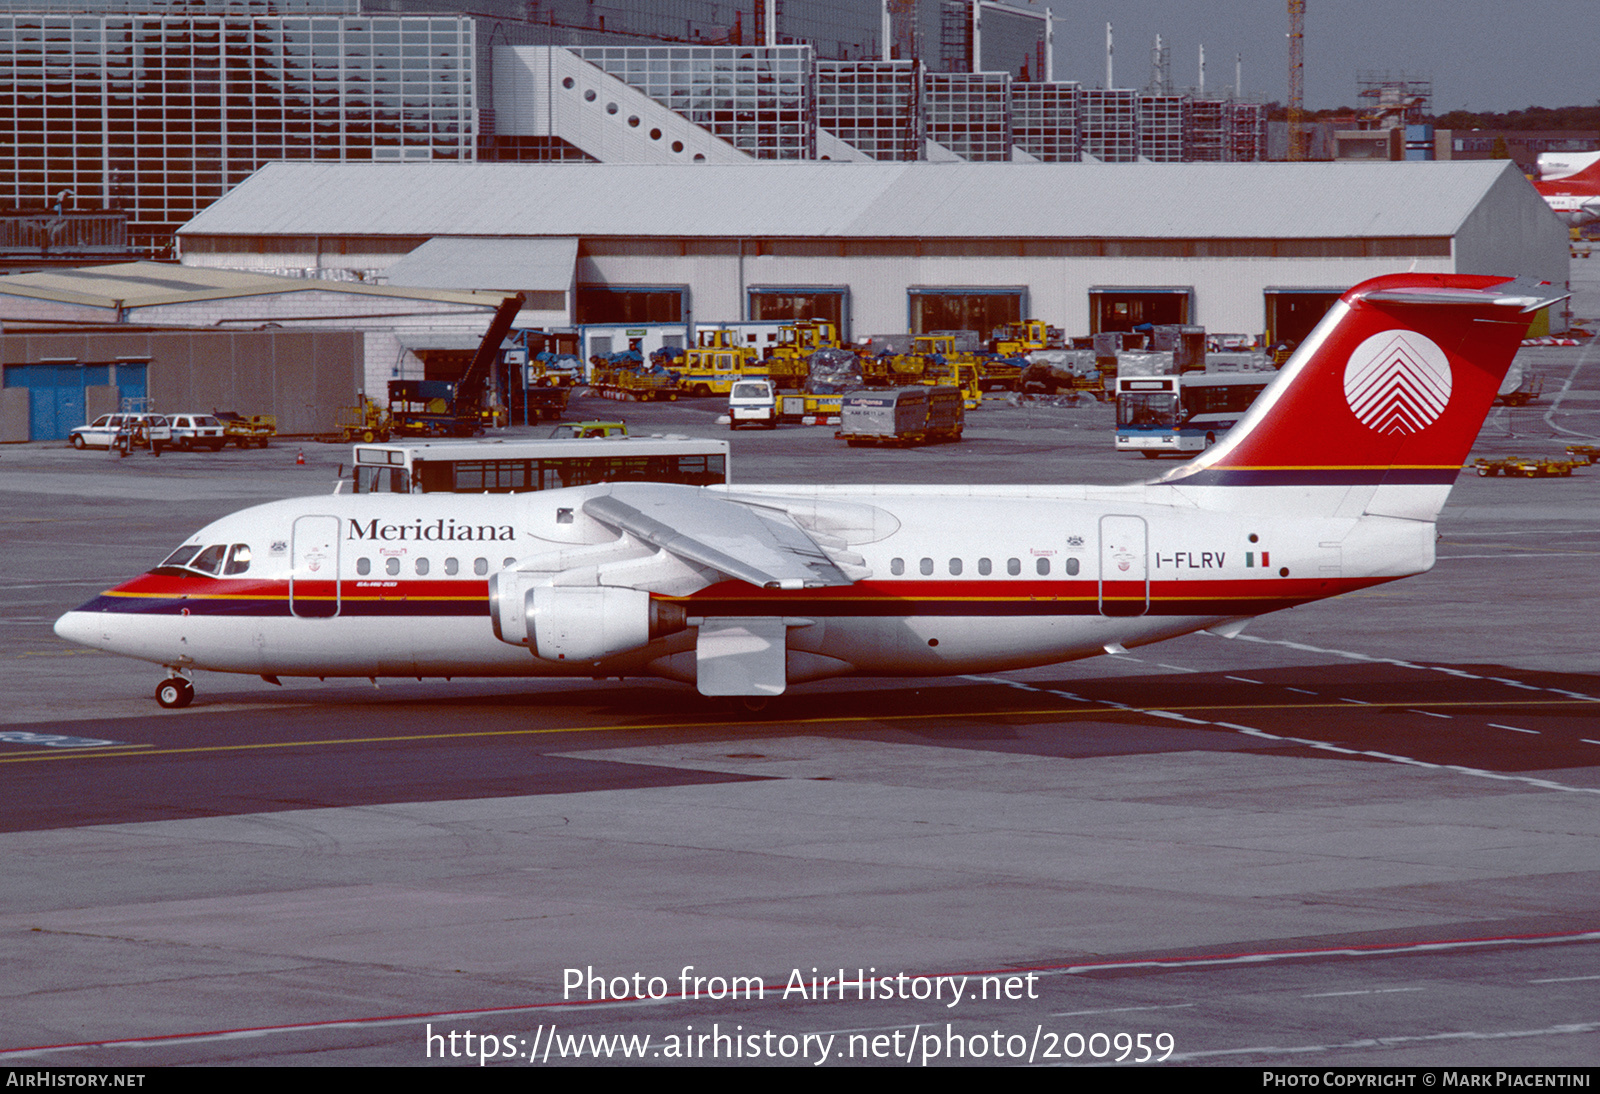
column 758, row 544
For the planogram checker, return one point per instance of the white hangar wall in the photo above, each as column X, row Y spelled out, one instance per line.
column 1228, row 293
column 1233, row 233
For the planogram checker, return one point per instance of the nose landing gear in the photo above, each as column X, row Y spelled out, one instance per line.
column 175, row 693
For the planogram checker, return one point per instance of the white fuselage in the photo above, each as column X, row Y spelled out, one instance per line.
column 983, row 579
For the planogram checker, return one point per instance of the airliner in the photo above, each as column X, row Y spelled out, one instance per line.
column 1570, row 183
column 1330, row 483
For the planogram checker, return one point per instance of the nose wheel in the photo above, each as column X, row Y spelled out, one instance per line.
column 175, row 693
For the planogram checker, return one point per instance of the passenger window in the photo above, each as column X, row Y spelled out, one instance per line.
column 507, row 562
column 363, row 566
column 985, row 567
column 391, row 566
column 480, row 566
column 1013, row 566
column 451, row 566
column 238, row 560
column 209, row 561
column 955, row 566
column 926, row 566
column 897, row 566
column 422, row 566
column 1072, row 567
column 1043, row 566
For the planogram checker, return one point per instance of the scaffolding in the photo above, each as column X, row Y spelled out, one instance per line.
column 871, row 106
column 1044, row 121
column 1391, row 101
column 1247, row 132
column 760, row 99
column 969, row 113
column 1109, row 125
column 1163, row 126
column 1208, row 131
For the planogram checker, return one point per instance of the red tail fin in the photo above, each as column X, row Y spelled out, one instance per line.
column 1390, row 389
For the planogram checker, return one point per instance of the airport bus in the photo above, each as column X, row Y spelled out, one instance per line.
column 513, row 467
column 1182, row 412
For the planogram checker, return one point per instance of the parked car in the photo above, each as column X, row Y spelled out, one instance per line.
column 151, row 431
column 198, row 431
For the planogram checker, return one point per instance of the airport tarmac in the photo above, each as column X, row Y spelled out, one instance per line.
column 1365, row 832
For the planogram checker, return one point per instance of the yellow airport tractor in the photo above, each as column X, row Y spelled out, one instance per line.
column 1009, row 347
column 788, row 363
column 719, row 358
column 933, row 359
column 365, row 423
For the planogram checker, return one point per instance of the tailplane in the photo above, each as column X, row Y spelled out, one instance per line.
column 1378, row 408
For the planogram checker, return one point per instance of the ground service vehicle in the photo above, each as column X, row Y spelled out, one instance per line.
column 712, row 366
column 1182, row 412
column 753, row 402
column 920, row 414
column 368, row 422
column 256, row 430
column 1331, row 483
column 789, row 362
column 512, row 467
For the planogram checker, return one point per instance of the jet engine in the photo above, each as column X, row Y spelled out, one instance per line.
column 578, row 622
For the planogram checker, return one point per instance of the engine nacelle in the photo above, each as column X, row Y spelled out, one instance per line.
column 578, row 622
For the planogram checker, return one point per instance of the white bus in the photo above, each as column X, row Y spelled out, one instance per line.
column 1182, row 412
column 514, row 467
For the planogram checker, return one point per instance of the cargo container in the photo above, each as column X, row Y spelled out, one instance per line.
column 919, row 414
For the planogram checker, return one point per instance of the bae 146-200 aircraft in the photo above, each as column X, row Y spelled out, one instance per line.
column 1332, row 482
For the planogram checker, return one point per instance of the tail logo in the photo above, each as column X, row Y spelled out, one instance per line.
column 1397, row 382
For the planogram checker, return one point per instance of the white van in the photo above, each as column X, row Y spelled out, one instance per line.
column 753, row 402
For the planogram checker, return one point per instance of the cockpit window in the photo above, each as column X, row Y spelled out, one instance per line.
column 213, row 561
column 209, row 561
column 180, row 557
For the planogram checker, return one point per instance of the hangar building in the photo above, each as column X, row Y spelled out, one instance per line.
column 890, row 248
column 75, row 343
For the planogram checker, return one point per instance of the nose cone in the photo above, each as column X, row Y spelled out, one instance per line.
column 80, row 627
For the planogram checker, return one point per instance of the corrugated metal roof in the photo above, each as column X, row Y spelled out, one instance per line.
column 509, row 265
column 146, row 284
column 801, row 200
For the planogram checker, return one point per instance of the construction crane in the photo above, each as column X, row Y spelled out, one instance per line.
column 1297, row 79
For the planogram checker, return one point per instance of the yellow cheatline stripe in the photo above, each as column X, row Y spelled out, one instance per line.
column 1097, row 710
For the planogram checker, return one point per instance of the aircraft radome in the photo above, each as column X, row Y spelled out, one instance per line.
column 1332, row 482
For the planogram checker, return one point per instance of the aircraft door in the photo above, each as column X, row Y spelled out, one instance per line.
column 314, row 580
column 1124, row 566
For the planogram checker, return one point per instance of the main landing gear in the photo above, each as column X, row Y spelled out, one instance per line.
column 175, row 693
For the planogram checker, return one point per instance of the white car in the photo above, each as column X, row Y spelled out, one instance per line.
column 753, row 402
column 150, row 430
column 198, row 431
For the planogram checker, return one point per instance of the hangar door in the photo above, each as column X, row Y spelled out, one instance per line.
column 788, row 303
column 975, row 309
column 1291, row 313
column 1124, row 307
column 60, row 393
